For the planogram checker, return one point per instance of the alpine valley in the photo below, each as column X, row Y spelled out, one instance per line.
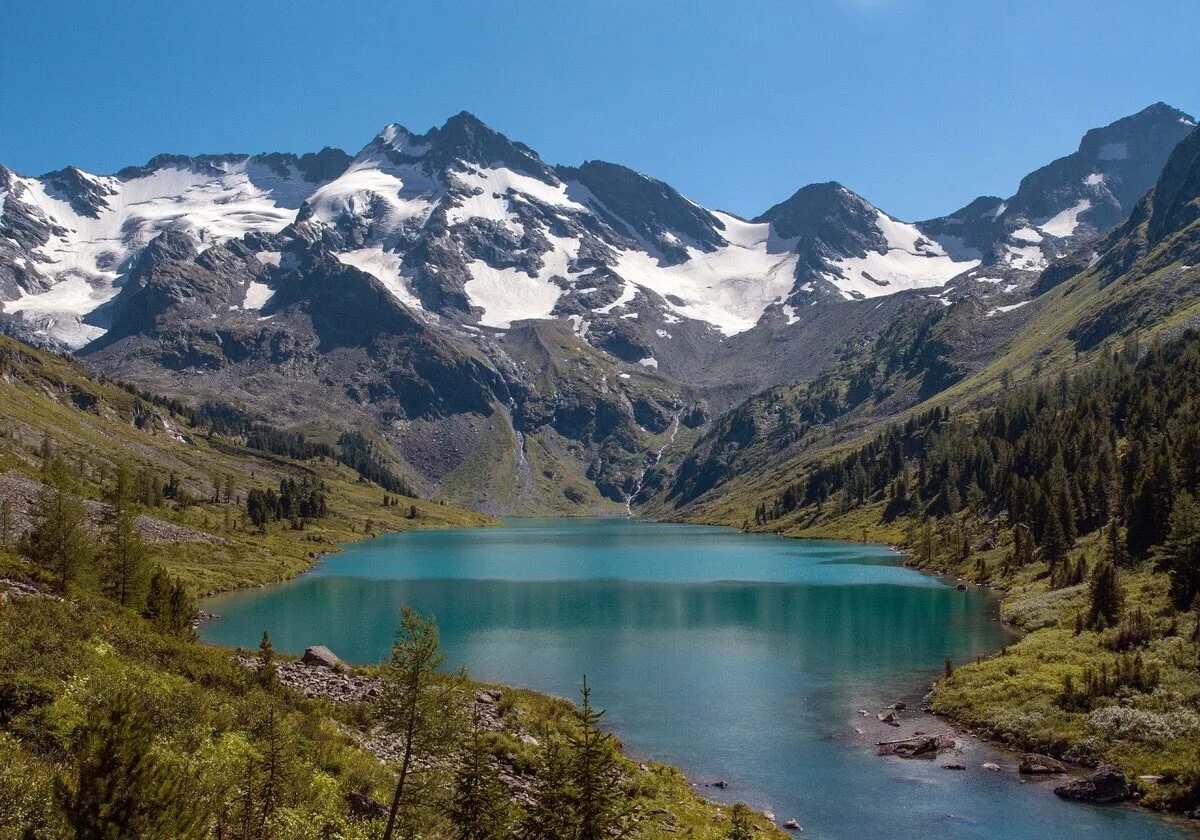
column 1008, row 392
column 523, row 337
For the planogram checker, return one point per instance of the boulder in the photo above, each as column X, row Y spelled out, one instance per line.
column 1104, row 784
column 319, row 655
column 1035, row 764
column 926, row 746
column 953, row 766
column 991, row 767
column 889, row 717
column 364, row 807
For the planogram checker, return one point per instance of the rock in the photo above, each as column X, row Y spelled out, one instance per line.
column 770, row 815
column 364, row 807
column 889, row 717
column 1035, row 764
column 899, row 706
column 488, row 696
column 319, row 655
column 962, row 587
column 1104, row 784
column 926, row 746
column 952, row 766
column 721, row 783
column 792, row 825
column 991, row 767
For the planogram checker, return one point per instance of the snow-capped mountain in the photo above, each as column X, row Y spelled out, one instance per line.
column 498, row 318
column 463, row 224
column 1069, row 200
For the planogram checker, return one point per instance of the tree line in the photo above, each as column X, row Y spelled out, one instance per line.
column 1115, row 447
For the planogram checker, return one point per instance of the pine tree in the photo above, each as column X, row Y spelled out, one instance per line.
column 740, row 826
column 267, row 676
column 415, row 706
column 168, row 606
column 59, row 541
column 1104, row 595
column 551, row 814
column 125, row 560
column 599, row 802
column 121, row 789
column 1179, row 555
column 480, row 809
column 275, row 767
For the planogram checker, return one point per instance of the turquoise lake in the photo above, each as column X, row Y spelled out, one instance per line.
column 744, row 658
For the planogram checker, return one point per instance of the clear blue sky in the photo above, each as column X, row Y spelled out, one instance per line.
column 919, row 105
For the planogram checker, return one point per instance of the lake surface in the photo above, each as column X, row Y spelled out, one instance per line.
column 745, row 658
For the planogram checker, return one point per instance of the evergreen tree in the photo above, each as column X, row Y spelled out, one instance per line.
column 59, row 541
column 267, row 676
column 740, row 826
column 480, row 809
column 1179, row 555
column 416, row 706
column 125, row 560
column 1150, row 504
column 274, row 770
column 551, row 814
column 1104, row 595
column 121, row 789
column 168, row 606
column 599, row 802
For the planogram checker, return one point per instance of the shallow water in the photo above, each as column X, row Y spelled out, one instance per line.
column 745, row 658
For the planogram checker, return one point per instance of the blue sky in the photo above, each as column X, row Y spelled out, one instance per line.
column 917, row 104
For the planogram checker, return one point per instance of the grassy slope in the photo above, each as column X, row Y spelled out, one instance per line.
column 91, row 642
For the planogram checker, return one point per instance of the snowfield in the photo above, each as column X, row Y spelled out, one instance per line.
column 911, row 261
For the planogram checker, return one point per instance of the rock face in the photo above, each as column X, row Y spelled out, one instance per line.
column 1035, row 764
column 320, row 655
column 1104, row 784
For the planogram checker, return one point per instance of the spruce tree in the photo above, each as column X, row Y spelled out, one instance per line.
column 1104, row 596
column 416, row 706
column 480, row 809
column 59, row 540
column 595, row 773
column 121, row 790
column 740, row 826
column 266, row 676
column 1179, row 555
column 125, row 559
column 551, row 814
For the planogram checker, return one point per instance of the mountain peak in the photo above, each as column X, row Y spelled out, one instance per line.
column 464, row 137
column 816, row 206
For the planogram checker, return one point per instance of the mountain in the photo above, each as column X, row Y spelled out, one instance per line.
column 1141, row 280
column 526, row 336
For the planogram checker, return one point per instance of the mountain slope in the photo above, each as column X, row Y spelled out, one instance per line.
column 1142, row 278
column 395, row 290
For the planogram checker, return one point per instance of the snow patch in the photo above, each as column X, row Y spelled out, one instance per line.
column 1025, row 258
column 1002, row 309
column 649, row 362
column 1027, row 234
column 386, row 267
column 508, row 294
column 1094, row 180
column 1064, row 223
column 257, row 295
column 911, row 261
